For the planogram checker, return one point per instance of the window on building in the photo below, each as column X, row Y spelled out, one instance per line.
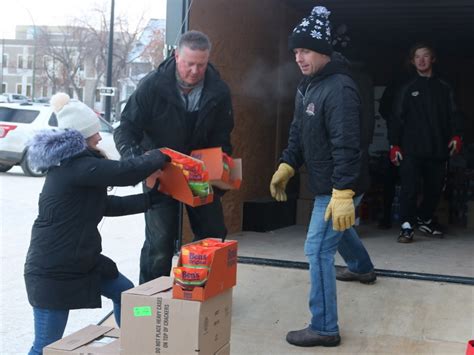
column 28, row 90
column 19, row 88
column 97, row 95
column 44, row 91
column 4, row 88
column 4, row 60
column 20, row 62
column 30, row 62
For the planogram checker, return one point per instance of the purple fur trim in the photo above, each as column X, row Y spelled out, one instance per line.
column 49, row 148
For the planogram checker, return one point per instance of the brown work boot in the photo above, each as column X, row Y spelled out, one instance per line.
column 308, row 337
column 344, row 274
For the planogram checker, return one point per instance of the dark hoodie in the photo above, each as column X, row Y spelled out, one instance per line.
column 425, row 118
column 64, row 265
column 155, row 115
column 325, row 134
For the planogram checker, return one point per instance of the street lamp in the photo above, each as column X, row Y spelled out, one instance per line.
column 34, row 55
column 3, row 65
column 108, row 99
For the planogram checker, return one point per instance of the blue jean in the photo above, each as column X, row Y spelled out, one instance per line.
column 50, row 323
column 322, row 242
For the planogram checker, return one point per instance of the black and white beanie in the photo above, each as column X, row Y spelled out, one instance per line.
column 313, row 32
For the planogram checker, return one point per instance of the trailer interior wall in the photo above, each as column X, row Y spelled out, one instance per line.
column 249, row 49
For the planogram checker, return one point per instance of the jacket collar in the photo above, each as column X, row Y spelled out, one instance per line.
column 213, row 85
column 50, row 148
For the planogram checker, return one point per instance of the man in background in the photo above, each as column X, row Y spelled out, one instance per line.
column 423, row 132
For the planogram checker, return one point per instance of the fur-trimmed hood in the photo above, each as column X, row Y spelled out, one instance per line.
column 48, row 148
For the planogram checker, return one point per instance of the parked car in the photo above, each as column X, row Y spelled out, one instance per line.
column 41, row 100
column 19, row 123
column 10, row 97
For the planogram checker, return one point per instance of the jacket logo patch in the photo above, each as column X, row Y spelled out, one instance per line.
column 415, row 93
column 310, row 109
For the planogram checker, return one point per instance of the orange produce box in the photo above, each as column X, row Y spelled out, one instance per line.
column 222, row 273
column 174, row 183
column 218, row 176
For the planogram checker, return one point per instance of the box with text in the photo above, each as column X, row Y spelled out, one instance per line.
column 155, row 323
column 222, row 274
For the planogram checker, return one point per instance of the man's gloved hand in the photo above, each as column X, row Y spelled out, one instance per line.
column 279, row 181
column 395, row 155
column 455, row 145
column 342, row 210
column 159, row 157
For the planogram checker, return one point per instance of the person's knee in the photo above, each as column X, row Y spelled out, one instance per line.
column 127, row 285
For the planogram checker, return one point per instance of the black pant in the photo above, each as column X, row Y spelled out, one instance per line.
column 390, row 180
column 432, row 174
column 161, row 232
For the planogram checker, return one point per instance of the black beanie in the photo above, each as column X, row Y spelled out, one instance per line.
column 313, row 32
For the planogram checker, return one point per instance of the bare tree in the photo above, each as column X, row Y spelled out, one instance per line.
column 125, row 38
column 68, row 48
column 78, row 52
column 153, row 52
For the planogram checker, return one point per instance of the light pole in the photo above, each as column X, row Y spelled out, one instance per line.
column 34, row 55
column 108, row 99
column 3, row 65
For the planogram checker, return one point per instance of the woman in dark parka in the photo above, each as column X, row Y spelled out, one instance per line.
column 64, row 266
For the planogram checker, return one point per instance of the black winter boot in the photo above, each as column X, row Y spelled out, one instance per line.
column 344, row 274
column 308, row 337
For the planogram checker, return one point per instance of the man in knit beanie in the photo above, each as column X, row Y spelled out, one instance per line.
column 325, row 136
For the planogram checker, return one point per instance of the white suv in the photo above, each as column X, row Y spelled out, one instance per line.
column 7, row 97
column 19, row 123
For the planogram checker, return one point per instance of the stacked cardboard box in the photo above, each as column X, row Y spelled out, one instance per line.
column 153, row 322
column 159, row 317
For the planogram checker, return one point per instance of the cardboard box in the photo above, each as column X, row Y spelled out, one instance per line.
column 155, row 323
column 174, row 183
column 218, row 176
column 92, row 340
column 222, row 275
column 225, row 350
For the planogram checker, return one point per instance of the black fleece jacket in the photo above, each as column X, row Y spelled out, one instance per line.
column 327, row 134
column 155, row 115
column 425, row 118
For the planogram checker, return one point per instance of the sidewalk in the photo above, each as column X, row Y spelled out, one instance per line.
column 392, row 316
